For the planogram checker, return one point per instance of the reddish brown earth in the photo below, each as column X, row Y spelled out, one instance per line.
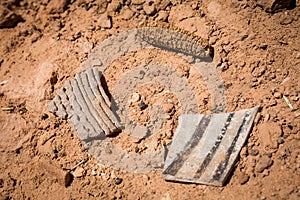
column 42, row 44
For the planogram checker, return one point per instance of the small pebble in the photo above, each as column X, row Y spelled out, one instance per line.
column 280, row 141
column 113, row 175
column 195, row 6
column 135, row 97
column 277, row 95
column 265, row 173
column 149, row 8
column 142, row 105
column 93, row 173
column 79, row 172
column 145, row 177
column 267, row 117
column 243, row 178
column 104, row 21
column 118, row 181
column 263, row 163
column 253, row 152
column 244, row 152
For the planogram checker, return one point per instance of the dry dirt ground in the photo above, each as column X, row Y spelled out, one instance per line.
column 42, row 43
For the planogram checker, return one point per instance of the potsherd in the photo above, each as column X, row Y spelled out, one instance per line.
column 205, row 147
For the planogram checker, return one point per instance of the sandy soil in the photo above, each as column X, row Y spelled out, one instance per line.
column 42, row 44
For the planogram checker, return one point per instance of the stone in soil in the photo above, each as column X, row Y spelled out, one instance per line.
column 142, row 105
column 162, row 16
column 104, row 21
column 263, row 163
column 118, row 181
column 149, row 8
column 114, row 6
column 79, row 172
column 243, row 178
column 57, row 6
column 134, row 98
column 253, row 152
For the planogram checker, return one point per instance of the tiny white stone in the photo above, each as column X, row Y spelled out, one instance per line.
column 135, row 97
column 94, row 173
column 79, row 172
